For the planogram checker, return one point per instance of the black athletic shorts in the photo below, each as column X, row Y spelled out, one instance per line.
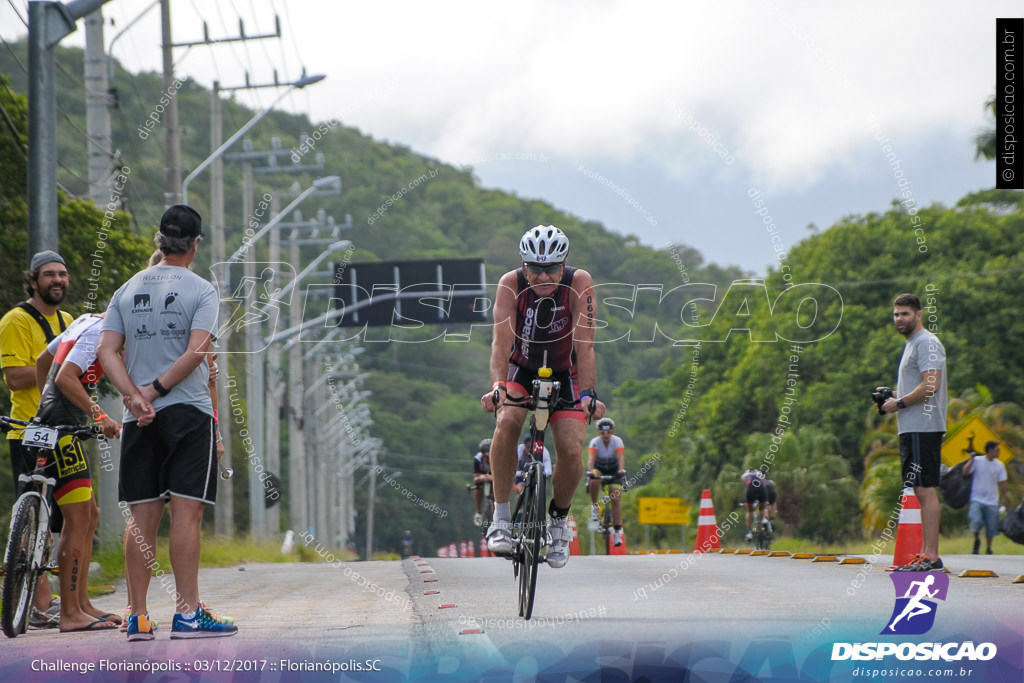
column 521, row 380
column 921, row 457
column 608, row 467
column 174, row 455
column 756, row 491
column 769, row 487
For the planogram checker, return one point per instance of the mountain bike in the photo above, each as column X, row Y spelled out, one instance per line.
column 606, row 525
column 29, row 543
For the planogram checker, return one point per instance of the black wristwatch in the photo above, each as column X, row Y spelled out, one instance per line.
column 900, row 404
column 160, row 387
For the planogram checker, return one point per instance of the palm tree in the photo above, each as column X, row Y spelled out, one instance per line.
column 985, row 140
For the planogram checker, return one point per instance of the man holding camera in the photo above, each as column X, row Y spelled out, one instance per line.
column 920, row 406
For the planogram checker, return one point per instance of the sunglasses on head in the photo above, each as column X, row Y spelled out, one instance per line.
column 537, row 269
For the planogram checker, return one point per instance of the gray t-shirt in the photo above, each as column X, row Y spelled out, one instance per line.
column 156, row 311
column 923, row 352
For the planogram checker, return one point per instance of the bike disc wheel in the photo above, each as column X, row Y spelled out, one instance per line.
column 533, row 533
column 19, row 579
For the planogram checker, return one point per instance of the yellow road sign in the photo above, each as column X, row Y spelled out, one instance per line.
column 663, row 511
column 971, row 437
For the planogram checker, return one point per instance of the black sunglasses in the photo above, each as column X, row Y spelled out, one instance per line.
column 538, row 269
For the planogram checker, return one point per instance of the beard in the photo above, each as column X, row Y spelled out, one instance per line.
column 54, row 295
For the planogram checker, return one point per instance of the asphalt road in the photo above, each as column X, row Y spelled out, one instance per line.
column 713, row 615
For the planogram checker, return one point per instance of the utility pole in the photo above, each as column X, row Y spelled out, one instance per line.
column 97, row 122
column 97, row 112
column 224, row 511
column 172, row 131
column 48, row 24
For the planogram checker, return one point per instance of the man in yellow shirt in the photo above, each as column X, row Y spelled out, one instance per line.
column 24, row 333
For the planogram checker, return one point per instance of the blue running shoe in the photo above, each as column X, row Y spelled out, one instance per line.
column 140, row 627
column 205, row 624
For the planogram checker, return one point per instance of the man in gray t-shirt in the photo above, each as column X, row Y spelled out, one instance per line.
column 920, row 407
column 165, row 318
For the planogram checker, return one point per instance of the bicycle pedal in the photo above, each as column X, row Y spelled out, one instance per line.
column 52, row 568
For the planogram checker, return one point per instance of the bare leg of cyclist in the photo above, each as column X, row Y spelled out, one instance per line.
column 503, row 451
column 568, row 433
column 595, row 488
column 140, row 551
column 73, row 557
column 615, row 493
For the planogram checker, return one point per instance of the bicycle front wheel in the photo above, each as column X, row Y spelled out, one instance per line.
column 532, row 535
column 19, row 574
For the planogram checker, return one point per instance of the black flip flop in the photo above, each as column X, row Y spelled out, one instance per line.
column 90, row 628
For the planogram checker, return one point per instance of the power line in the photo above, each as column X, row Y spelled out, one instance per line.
column 18, row 12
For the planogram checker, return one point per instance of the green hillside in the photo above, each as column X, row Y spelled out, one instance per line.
column 695, row 374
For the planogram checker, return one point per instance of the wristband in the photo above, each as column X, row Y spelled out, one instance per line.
column 588, row 393
column 900, row 404
column 160, row 387
column 101, row 417
column 499, row 384
column 215, row 420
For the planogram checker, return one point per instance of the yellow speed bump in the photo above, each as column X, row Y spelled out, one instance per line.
column 727, row 551
column 1019, row 579
column 758, row 553
column 778, row 553
column 803, row 556
column 746, row 551
column 825, row 558
column 853, row 560
column 977, row 574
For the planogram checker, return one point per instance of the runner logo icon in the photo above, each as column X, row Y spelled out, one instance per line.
column 914, row 612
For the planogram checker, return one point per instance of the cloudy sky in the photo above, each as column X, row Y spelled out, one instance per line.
column 659, row 119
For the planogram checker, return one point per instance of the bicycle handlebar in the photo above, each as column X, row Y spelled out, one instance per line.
column 609, row 478
column 81, row 431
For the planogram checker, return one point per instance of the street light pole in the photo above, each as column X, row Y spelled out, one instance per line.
column 299, row 84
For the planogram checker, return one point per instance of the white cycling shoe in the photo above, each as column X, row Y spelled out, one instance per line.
column 499, row 537
column 558, row 550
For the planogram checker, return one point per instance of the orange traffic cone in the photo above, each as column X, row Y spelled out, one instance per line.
column 470, row 550
column 483, row 548
column 462, row 549
column 707, row 528
column 574, row 544
column 909, row 536
column 453, row 551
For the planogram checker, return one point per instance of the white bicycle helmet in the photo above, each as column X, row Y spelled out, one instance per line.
column 605, row 423
column 544, row 244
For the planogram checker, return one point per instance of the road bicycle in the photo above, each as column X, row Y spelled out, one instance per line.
column 29, row 543
column 606, row 523
column 762, row 531
column 529, row 530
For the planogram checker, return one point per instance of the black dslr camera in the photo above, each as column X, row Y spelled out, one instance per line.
column 880, row 396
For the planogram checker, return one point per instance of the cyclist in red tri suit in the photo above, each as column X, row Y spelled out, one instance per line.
column 543, row 306
column 67, row 371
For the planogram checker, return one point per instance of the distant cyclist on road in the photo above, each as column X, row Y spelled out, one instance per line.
column 755, row 490
column 482, row 479
column 523, row 455
column 543, row 306
column 607, row 456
